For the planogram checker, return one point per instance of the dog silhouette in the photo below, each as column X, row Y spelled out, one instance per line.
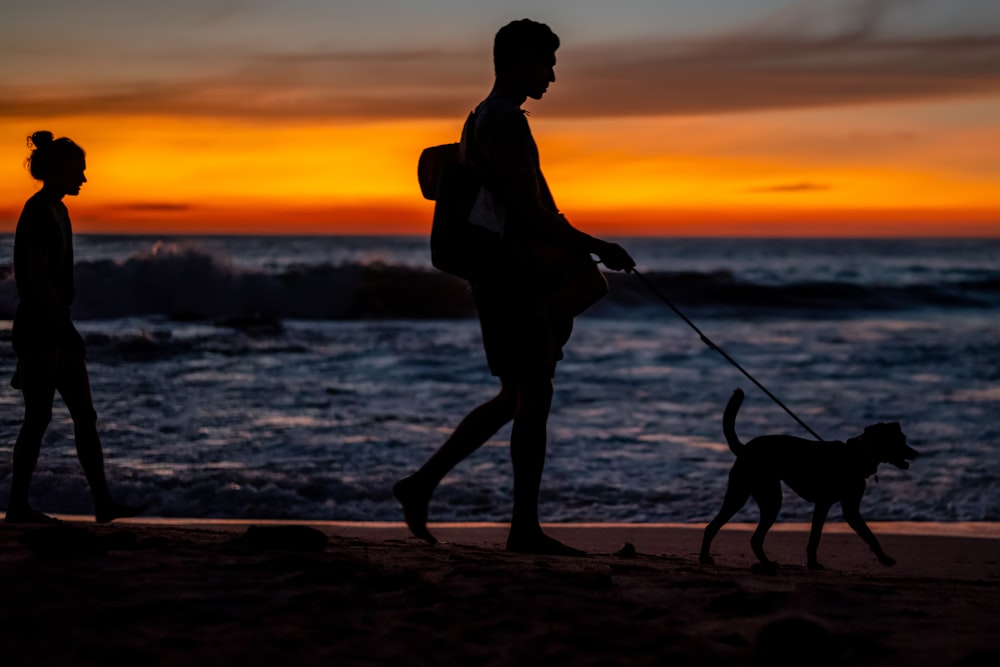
column 823, row 473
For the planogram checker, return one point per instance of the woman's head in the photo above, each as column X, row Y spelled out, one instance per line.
column 58, row 163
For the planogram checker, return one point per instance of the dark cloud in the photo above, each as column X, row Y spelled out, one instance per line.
column 784, row 65
column 803, row 186
column 154, row 207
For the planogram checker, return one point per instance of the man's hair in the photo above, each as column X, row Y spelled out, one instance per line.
column 522, row 39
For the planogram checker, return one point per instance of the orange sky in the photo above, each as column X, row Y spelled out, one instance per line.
column 774, row 132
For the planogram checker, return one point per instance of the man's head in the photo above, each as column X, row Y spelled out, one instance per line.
column 524, row 52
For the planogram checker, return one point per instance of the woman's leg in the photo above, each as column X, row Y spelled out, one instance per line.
column 73, row 384
column 36, row 377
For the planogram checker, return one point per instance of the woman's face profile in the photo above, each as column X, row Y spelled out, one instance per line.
column 68, row 179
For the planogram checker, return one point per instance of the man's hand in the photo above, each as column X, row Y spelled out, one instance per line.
column 615, row 257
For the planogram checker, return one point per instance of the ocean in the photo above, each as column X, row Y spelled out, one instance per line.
column 299, row 377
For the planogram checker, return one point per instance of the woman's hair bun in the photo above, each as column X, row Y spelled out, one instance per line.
column 40, row 139
column 49, row 154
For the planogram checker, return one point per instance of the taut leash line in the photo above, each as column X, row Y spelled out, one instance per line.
column 707, row 341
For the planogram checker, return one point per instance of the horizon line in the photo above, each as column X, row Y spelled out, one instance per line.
column 631, row 235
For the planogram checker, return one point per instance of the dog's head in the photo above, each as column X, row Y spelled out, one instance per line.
column 889, row 444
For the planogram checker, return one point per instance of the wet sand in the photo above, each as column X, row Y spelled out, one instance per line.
column 188, row 593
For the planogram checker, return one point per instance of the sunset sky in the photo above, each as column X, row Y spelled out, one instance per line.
column 673, row 117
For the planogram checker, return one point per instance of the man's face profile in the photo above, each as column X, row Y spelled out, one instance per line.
column 537, row 73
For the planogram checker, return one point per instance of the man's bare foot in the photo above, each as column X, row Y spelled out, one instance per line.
column 415, row 502
column 540, row 544
column 29, row 515
column 111, row 510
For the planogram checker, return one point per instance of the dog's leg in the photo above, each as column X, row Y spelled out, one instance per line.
column 736, row 497
column 768, row 497
column 820, row 511
column 852, row 515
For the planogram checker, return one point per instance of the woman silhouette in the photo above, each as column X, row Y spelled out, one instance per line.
column 50, row 351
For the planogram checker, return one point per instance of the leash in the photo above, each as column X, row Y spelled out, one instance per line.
column 712, row 346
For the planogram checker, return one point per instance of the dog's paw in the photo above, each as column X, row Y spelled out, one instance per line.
column 705, row 559
column 886, row 560
column 769, row 568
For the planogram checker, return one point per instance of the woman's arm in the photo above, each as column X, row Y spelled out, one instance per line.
column 37, row 231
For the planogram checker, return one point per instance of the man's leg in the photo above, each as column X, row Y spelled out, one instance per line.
column 528, row 443
column 414, row 492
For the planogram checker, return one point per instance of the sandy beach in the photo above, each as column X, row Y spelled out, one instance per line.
column 175, row 592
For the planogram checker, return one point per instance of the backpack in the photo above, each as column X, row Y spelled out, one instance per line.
column 458, row 246
column 467, row 236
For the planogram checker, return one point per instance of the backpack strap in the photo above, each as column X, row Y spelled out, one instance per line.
column 471, row 153
column 468, row 138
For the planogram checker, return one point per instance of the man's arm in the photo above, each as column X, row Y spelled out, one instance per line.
column 526, row 196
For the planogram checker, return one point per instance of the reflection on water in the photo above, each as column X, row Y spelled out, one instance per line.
column 318, row 421
column 316, row 418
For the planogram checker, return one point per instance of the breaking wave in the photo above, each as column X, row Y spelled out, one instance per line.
column 187, row 283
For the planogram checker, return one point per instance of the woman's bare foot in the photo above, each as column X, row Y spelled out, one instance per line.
column 415, row 502
column 540, row 544
column 110, row 510
column 29, row 515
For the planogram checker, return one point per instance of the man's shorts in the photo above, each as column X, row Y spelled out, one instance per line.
column 520, row 337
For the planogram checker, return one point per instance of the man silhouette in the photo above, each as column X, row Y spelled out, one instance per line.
column 523, row 330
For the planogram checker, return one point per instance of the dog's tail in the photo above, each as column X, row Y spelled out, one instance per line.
column 729, row 421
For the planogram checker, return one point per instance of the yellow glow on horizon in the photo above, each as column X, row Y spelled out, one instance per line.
column 169, row 159
column 714, row 175
column 747, row 163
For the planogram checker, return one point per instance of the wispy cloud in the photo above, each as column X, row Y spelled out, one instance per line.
column 785, row 64
column 400, row 84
